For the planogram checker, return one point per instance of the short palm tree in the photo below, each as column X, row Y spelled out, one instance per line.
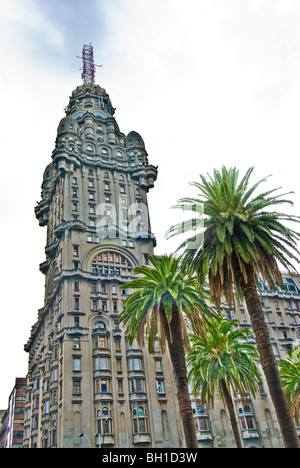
column 290, row 374
column 165, row 303
column 222, row 361
column 243, row 240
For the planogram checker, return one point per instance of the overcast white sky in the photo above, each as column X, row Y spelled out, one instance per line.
column 205, row 83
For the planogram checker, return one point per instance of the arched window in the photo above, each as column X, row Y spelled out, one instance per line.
column 104, row 421
column 140, row 419
column 100, row 326
column 112, row 264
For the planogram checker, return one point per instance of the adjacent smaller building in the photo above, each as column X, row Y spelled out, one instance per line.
column 12, row 421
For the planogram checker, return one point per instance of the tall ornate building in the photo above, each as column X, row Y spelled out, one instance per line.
column 83, row 377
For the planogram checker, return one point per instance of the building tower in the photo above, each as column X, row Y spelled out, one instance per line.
column 83, row 377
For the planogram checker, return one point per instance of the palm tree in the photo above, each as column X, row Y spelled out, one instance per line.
column 290, row 374
column 242, row 241
column 165, row 298
column 222, row 361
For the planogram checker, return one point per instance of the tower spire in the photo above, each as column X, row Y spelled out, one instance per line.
column 89, row 70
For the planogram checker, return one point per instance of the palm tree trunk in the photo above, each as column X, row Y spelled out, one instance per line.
column 233, row 420
column 267, row 359
column 177, row 354
column 185, row 408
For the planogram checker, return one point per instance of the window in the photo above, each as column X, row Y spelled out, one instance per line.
column 160, row 386
column 46, row 407
column 75, row 250
column 76, row 343
column 91, row 183
column 100, row 342
column 75, row 207
column 100, row 326
column 76, row 285
column 55, row 374
column 122, row 189
column 53, row 434
column 46, row 386
column 137, row 386
column 76, row 303
column 279, row 315
column 76, row 321
column 246, row 418
column 74, row 193
column 158, row 366
column 202, row 424
column 92, row 210
column 76, row 387
column 107, row 186
column 54, row 396
column 74, row 180
column 104, row 421
column 135, row 364
column 140, row 419
column 76, row 364
column 94, row 305
column 101, row 363
column 102, row 386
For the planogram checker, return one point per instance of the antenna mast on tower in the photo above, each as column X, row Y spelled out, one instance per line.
column 88, row 73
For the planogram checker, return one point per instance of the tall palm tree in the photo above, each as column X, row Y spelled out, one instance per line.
column 163, row 300
column 224, row 361
column 243, row 240
column 290, row 374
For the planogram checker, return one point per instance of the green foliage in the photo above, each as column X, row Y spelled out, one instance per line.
column 239, row 229
column 225, row 354
column 158, row 292
column 290, row 374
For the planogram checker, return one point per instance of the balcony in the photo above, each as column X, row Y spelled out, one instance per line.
column 250, row 434
column 203, row 435
column 141, row 438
